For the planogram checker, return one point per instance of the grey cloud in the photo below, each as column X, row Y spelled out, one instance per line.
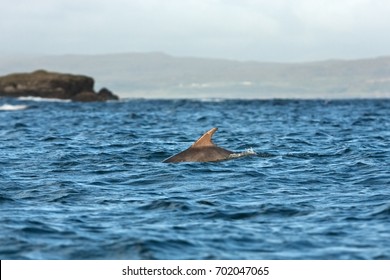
column 276, row 30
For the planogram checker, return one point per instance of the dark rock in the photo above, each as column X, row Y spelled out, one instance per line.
column 85, row 96
column 106, row 94
column 52, row 85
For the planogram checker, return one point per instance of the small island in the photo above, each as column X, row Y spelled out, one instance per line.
column 46, row 84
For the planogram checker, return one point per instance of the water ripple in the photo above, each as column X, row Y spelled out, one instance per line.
column 86, row 181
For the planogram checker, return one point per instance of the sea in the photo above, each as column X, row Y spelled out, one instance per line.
column 86, row 180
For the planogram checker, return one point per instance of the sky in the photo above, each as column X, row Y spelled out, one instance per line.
column 261, row 30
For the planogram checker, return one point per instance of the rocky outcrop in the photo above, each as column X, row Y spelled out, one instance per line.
column 53, row 85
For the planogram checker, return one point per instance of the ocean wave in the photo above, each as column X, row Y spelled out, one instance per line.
column 9, row 107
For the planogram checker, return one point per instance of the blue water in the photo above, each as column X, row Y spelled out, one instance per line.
column 85, row 180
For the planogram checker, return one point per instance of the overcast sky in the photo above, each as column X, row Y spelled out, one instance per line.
column 264, row 30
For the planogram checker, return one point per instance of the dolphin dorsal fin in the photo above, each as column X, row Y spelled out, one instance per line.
column 205, row 139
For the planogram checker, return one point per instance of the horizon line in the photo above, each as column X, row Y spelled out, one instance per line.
column 166, row 54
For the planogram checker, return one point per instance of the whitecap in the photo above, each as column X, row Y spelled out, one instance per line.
column 41, row 99
column 209, row 99
column 9, row 107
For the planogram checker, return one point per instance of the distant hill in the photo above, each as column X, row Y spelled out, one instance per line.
column 157, row 75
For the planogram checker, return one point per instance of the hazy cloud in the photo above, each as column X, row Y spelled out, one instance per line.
column 290, row 30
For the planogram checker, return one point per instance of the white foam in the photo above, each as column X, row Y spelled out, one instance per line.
column 247, row 152
column 9, row 107
column 40, row 99
column 209, row 99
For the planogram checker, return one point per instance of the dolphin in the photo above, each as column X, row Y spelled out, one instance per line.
column 203, row 150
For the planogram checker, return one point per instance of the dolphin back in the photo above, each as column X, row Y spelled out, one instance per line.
column 203, row 154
